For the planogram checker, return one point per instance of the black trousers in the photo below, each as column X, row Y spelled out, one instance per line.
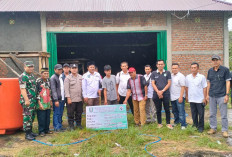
column 198, row 111
column 43, row 117
column 74, row 111
column 122, row 98
column 158, row 104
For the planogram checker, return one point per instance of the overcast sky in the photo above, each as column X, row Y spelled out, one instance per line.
column 230, row 24
column 230, row 20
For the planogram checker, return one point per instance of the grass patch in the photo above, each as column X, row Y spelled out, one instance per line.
column 210, row 142
column 174, row 142
column 28, row 152
column 174, row 153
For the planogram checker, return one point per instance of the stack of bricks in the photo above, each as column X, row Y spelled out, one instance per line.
column 3, row 70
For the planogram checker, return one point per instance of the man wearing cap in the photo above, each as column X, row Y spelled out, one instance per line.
column 66, row 71
column 44, row 102
column 161, row 82
column 91, row 85
column 137, row 86
column 58, row 101
column 109, row 86
column 121, row 80
column 218, row 79
column 28, row 99
column 73, row 93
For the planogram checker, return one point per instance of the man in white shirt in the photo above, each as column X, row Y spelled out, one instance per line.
column 177, row 91
column 91, row 85
column 196, row 91
column 121, row 84
column 150, row 106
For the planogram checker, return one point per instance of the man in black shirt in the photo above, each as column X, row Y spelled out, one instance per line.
column 218, row 94
column 161, row 81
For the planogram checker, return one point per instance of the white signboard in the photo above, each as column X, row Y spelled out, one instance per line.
column 106, row 117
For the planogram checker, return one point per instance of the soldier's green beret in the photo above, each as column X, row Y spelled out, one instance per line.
column 44, row 70
column 29, row 63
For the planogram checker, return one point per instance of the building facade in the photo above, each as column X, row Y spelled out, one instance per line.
column 181, row 36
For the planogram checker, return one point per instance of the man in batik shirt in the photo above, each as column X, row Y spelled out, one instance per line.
column 44, row 102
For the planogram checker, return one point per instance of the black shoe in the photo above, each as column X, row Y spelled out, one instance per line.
column 42, row 134
column 71, row 128
column 48, row 132
column 79, row 127
column 29, row 137
column 200, row 130
column 34, row 134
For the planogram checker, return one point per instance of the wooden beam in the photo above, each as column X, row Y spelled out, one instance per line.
column 9, row 67
column 17, row 62
column 20, row 64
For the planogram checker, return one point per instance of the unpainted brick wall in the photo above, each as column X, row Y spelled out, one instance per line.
column 200, row 31
column 120, row 19
column 3, row 69
column 185, row 61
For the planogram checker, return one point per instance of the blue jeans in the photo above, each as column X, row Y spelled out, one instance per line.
column 57, row 115
column 179, row 112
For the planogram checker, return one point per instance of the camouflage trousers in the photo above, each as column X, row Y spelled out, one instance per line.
column 28, row 116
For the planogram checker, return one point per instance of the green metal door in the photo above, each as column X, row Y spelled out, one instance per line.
column 162, row 46
column 52, row 49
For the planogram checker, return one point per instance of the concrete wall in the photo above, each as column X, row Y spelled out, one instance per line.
column 24, row 35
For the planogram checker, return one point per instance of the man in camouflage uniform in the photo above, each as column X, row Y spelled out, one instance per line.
column 28, row 99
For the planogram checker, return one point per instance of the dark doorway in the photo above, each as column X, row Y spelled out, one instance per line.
column 138, row 49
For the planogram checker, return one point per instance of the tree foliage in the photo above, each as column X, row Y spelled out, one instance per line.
column 230, row 49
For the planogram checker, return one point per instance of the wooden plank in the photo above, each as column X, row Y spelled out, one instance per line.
column 20, row 51
column 4, row 56
column 17, row 62
column 28, row 55
column 24, row 54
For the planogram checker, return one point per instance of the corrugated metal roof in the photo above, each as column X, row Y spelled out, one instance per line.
column 112, row 5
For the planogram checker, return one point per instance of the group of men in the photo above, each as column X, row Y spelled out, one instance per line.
column 146, row 94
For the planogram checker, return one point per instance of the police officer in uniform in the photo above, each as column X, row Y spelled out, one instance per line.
column 28, row 98
column 73, row 93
